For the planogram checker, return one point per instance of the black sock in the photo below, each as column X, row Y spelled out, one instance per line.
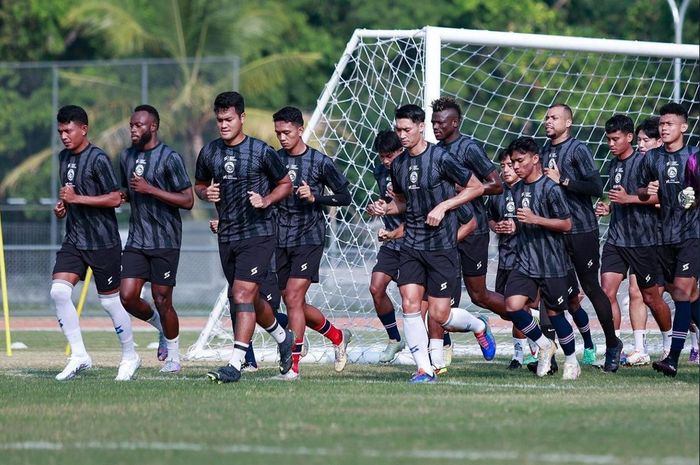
column 581, row 320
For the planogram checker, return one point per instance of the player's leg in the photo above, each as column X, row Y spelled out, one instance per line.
column 554, row 292
column 638, row 321
column 521, row 289
column 473, row 256
column 519, row 339
column 382, row 274
column 694, row 356
column 585, row 255
column 163, row 276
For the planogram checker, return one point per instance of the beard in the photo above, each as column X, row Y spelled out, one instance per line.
column 145, row 139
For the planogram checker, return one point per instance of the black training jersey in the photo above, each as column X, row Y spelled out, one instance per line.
column 631, row 225
column 301, row 222
column 541, row 253
column 473, row 156
column 251, row 166
column 465, row 213
column 90, row 173
column 677, row 223
column 502, row 207
column 575, row 162
column 391, row 222
column 426, row 180
column 154, row 224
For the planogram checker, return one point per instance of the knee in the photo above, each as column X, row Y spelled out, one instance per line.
column 243, row 296
column 375, row 290
column 61, row 292
column 129, row 299
column 162, row 302
column 477, row 296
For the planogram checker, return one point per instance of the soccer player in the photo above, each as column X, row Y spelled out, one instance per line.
column 501, row 208
column 88, row 196
column 473, row 251
column 243, row 177
column 569, row 163
column 424, row 178
column 157, row 187
column 665, row 167
column 692, row 183
column 631, row 241
column 388, row 145
column 541, row 263
column 301, row 233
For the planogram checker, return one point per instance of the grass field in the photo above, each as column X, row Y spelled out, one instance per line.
column 479, row 413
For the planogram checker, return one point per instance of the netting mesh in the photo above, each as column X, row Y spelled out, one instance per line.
column 504, row 93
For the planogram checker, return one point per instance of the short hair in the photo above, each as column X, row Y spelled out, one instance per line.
column 504, row 154
column 151, row 111
column 412, row 112
column 566, row 108
column 621, row 123
column 674, row 108
column 72, row 113
column 289, row 115
column 387, row 142
column 524, row 144
column 226, row 100
column 447, row 103
column 650, row 127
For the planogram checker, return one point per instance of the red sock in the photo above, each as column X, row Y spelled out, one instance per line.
column 296, row 354
column 329, row 331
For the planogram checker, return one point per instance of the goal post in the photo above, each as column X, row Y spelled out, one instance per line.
column 504, row 82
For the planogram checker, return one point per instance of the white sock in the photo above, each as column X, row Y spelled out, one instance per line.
column 542, row 342
column 61, row 294
column 462, row 321
column 693, row 340
column 666, row 339
column 154, row 320
column 436, row 355
column 519, row 349
column 640, row 340
column 617, row 333
column 239, row 350
column 122, row 324
column 571, row 359
column 417, row 341
column 174, row 349
column 277, row 332
column 533, row 346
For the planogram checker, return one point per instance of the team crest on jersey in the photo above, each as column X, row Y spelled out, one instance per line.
column 526, row 199
column 70, row 175
column 292, row 170
column 618, row 176
column 672, row 172
column 413, row 174
column 510, row 204
column 230, row 167
column 389, row 185
column 139, row 170
column 552, row 164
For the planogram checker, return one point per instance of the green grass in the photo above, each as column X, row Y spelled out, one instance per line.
column 479, row 413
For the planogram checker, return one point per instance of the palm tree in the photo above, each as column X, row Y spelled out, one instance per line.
column 180, row 29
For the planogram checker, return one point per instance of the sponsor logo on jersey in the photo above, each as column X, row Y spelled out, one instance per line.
column 254, row 271
column 478, row 266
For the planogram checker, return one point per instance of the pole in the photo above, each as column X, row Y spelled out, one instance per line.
column 678, row 20
column 5, row 297
column 54, row 149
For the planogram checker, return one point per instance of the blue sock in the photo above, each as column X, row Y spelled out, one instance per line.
column 446, row 339
column 581, row 320
column 525, row 323
column 565, row 333
column 282, row 319
column 389, row 322
column 681, row 323
column 695, row 311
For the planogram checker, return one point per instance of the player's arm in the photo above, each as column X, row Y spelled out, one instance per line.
column 647, row 184
column 466, row 229
column 207, row 190
column 619, row 195
column 588, row 181
column 110, row 200
column 181, row 199
column 472, row 189
column 527, row 216
column 492, row 184
column 385, row 235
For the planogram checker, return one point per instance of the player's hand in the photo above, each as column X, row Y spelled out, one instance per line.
column 384, row 235
column 526, row 216
column 618, row 195
column 67, row 193
column 304, row 192
column 602, row 209
column 653, row 188
column 390, row 193
column 212, row 192
column 139, row 184
column 553, row 173
column 435, row 216
column 377, row 208
column 214, row 226
column 123, row 198
column 505, row 227
column 60, row 209
column 257, row 200
column 687, row 197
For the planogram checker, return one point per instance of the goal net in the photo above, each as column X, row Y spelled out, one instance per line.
column 504, row 83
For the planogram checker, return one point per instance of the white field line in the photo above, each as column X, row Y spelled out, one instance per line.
column 456, row 454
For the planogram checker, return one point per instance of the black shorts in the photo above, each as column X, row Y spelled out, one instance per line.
column 247, row 259
column 680, row 260
column 501, row 280
column 584, row 250
column 474, row 254
column 434, row 269
column 105, row 264
column 642, row 261
column 269, row 290
column 456, row 296
column 553, row 291
column 301, row 261
column 159, row 266
column 572, row 281
column 387, row 262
